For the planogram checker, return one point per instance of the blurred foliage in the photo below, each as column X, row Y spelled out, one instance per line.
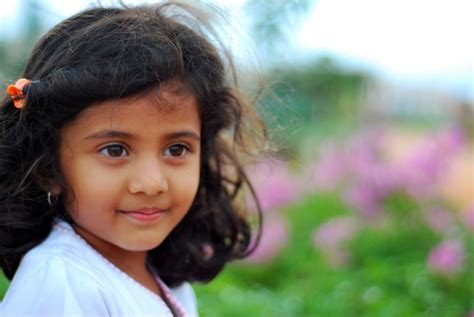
column 387, row 275
column 323, row 88
column 391, row 264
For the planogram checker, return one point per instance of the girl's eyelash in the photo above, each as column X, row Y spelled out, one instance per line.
column 111, row 145
column 184, row 146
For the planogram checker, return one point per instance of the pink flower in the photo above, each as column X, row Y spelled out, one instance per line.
column 330, row 238
column 452, row 140
column 274, row 238
column 447, row 257
column 425, row 166
column 439, row 219
column 335, row 232
column 422, row 169
column 274, row 185
column 330, row 169
column 364, row 198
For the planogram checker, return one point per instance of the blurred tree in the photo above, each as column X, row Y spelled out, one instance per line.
column 321, row 89
column 316, row 98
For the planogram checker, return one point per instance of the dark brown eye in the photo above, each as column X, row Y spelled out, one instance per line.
column 176, row 150
column 114, row 150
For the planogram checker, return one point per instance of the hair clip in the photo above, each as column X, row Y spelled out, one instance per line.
column 16, row 92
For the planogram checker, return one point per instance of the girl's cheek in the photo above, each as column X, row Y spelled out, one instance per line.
column 190, row 179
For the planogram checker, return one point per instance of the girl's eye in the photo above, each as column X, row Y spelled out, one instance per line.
column 114, row 150
column 176, row 150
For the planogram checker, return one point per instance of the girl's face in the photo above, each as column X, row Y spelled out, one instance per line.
column 133, row 169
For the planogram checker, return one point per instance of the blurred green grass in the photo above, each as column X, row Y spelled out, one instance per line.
column 387, row 276
column 289, row 285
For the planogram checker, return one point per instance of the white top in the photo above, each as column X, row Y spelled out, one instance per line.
column 65, row 276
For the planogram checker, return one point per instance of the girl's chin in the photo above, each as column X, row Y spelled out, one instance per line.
column 140, row 246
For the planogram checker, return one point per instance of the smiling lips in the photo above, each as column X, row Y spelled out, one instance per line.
column 145, row 214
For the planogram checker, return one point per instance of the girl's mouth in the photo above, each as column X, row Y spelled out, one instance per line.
column 145, row 214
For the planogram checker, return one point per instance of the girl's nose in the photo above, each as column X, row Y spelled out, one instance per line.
column 149, row 179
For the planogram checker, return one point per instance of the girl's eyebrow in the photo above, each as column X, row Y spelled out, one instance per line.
column 183, row 133
column 103, row 134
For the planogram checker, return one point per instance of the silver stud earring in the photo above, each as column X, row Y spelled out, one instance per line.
column 51, row 203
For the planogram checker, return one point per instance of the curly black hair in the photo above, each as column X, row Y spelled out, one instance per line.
column 106, row 53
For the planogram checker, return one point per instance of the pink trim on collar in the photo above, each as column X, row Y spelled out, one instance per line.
column 171, row 299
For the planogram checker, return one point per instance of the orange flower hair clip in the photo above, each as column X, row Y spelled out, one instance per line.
column 16, row 92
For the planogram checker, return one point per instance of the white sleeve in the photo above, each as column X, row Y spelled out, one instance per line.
column 54, row 289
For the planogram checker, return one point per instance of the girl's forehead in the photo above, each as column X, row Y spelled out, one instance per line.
column 166, row 101
column 142, row 112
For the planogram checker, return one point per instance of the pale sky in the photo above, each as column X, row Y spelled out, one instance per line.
column 426, row 40
column 414, row 40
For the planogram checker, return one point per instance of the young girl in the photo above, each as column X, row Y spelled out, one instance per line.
column 119, row 166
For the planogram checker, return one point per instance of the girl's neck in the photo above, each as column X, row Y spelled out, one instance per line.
column 133, row 263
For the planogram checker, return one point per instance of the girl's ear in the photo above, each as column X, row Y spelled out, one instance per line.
column 47, row 184
column 55, row 190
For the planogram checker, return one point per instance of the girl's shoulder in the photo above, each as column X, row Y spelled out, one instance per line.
column 63, row 244
column 63, row 248
column 52, row 280
column 51, row 288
